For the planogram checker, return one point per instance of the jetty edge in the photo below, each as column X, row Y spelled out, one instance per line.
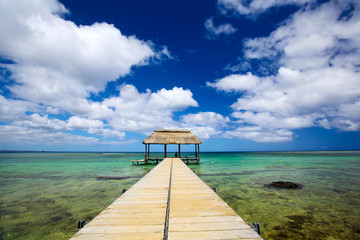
column 170, row 202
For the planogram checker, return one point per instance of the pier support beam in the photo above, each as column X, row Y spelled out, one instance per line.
column 146, row 151
column 198, row 156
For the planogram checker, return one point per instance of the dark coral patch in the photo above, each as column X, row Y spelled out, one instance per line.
column 286, row 185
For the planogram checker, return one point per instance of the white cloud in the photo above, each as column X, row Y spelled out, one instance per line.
column 214, row 31
column 175, row 99
column 37, row 121
column 210, row 119
column 271, row 121
column 46, row 128
column 83, row 123
column 304, row 45
column 317, row 84
column 21, row 134
column 41, row 122
column 58, row 63
column 163, row 54
column 259, row 134
column 52, row 110
column 235, row 83
column 11, row 109
column 204, row 132
column 144, row 112
column 205, row 124
column 131, row 111
column 254, row 7
column 107, row 133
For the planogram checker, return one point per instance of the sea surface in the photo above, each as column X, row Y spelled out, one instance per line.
column 44, row 195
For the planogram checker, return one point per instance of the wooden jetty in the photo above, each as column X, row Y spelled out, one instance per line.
column 170, row 202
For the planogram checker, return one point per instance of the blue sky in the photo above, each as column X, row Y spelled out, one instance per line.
column 248, row 75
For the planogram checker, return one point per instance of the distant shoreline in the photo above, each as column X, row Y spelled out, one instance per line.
column 286, row 151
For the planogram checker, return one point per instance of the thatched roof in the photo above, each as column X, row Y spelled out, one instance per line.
column 172, row 137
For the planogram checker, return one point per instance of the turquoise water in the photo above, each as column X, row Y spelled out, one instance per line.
column 43, row 195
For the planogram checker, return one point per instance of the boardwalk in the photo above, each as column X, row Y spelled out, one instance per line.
column 170, row 202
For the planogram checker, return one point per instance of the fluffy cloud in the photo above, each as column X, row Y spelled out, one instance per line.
column 24, row 135
column 58, row 63
column 52, row 110
column 205, row 124
column 253, row 7
column 41, row 122
column 37, row 121
column 143, row 112
column 317, row 84
column 56, row 66
column 214, row 31
column 11, row 109
column 259, row 134
column 107, row 133
column 236, row 83
column 210, row 119
column 131, row 111
column 271, row 121
column 20, row 134
column 83, row 123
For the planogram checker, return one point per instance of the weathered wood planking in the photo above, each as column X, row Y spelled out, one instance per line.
column 195, row 211
column 137, row 214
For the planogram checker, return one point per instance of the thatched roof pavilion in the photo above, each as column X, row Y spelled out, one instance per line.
column 168, row 136
column 172, row 137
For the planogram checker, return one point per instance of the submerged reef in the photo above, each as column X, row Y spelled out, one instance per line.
column 282, row 184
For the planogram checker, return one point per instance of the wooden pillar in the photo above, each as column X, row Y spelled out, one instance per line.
column 196, row 151
column 198, row 147
column 148, row 150
column 179, row 151
column 145, row 151
column 164, row 150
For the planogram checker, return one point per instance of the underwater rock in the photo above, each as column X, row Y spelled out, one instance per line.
column 286, row 185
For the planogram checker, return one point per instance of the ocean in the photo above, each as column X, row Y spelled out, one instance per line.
column 44, row 195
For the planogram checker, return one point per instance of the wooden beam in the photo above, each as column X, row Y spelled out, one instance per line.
column 198, row 151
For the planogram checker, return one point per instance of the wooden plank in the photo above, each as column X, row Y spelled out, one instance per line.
column 111, row 228
column 196, row 211
column 120, row 236
column 137, row 214
column 206, row 235
column 205, row 219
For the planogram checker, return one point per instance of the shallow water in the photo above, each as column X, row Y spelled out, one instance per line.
column 43, row 195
